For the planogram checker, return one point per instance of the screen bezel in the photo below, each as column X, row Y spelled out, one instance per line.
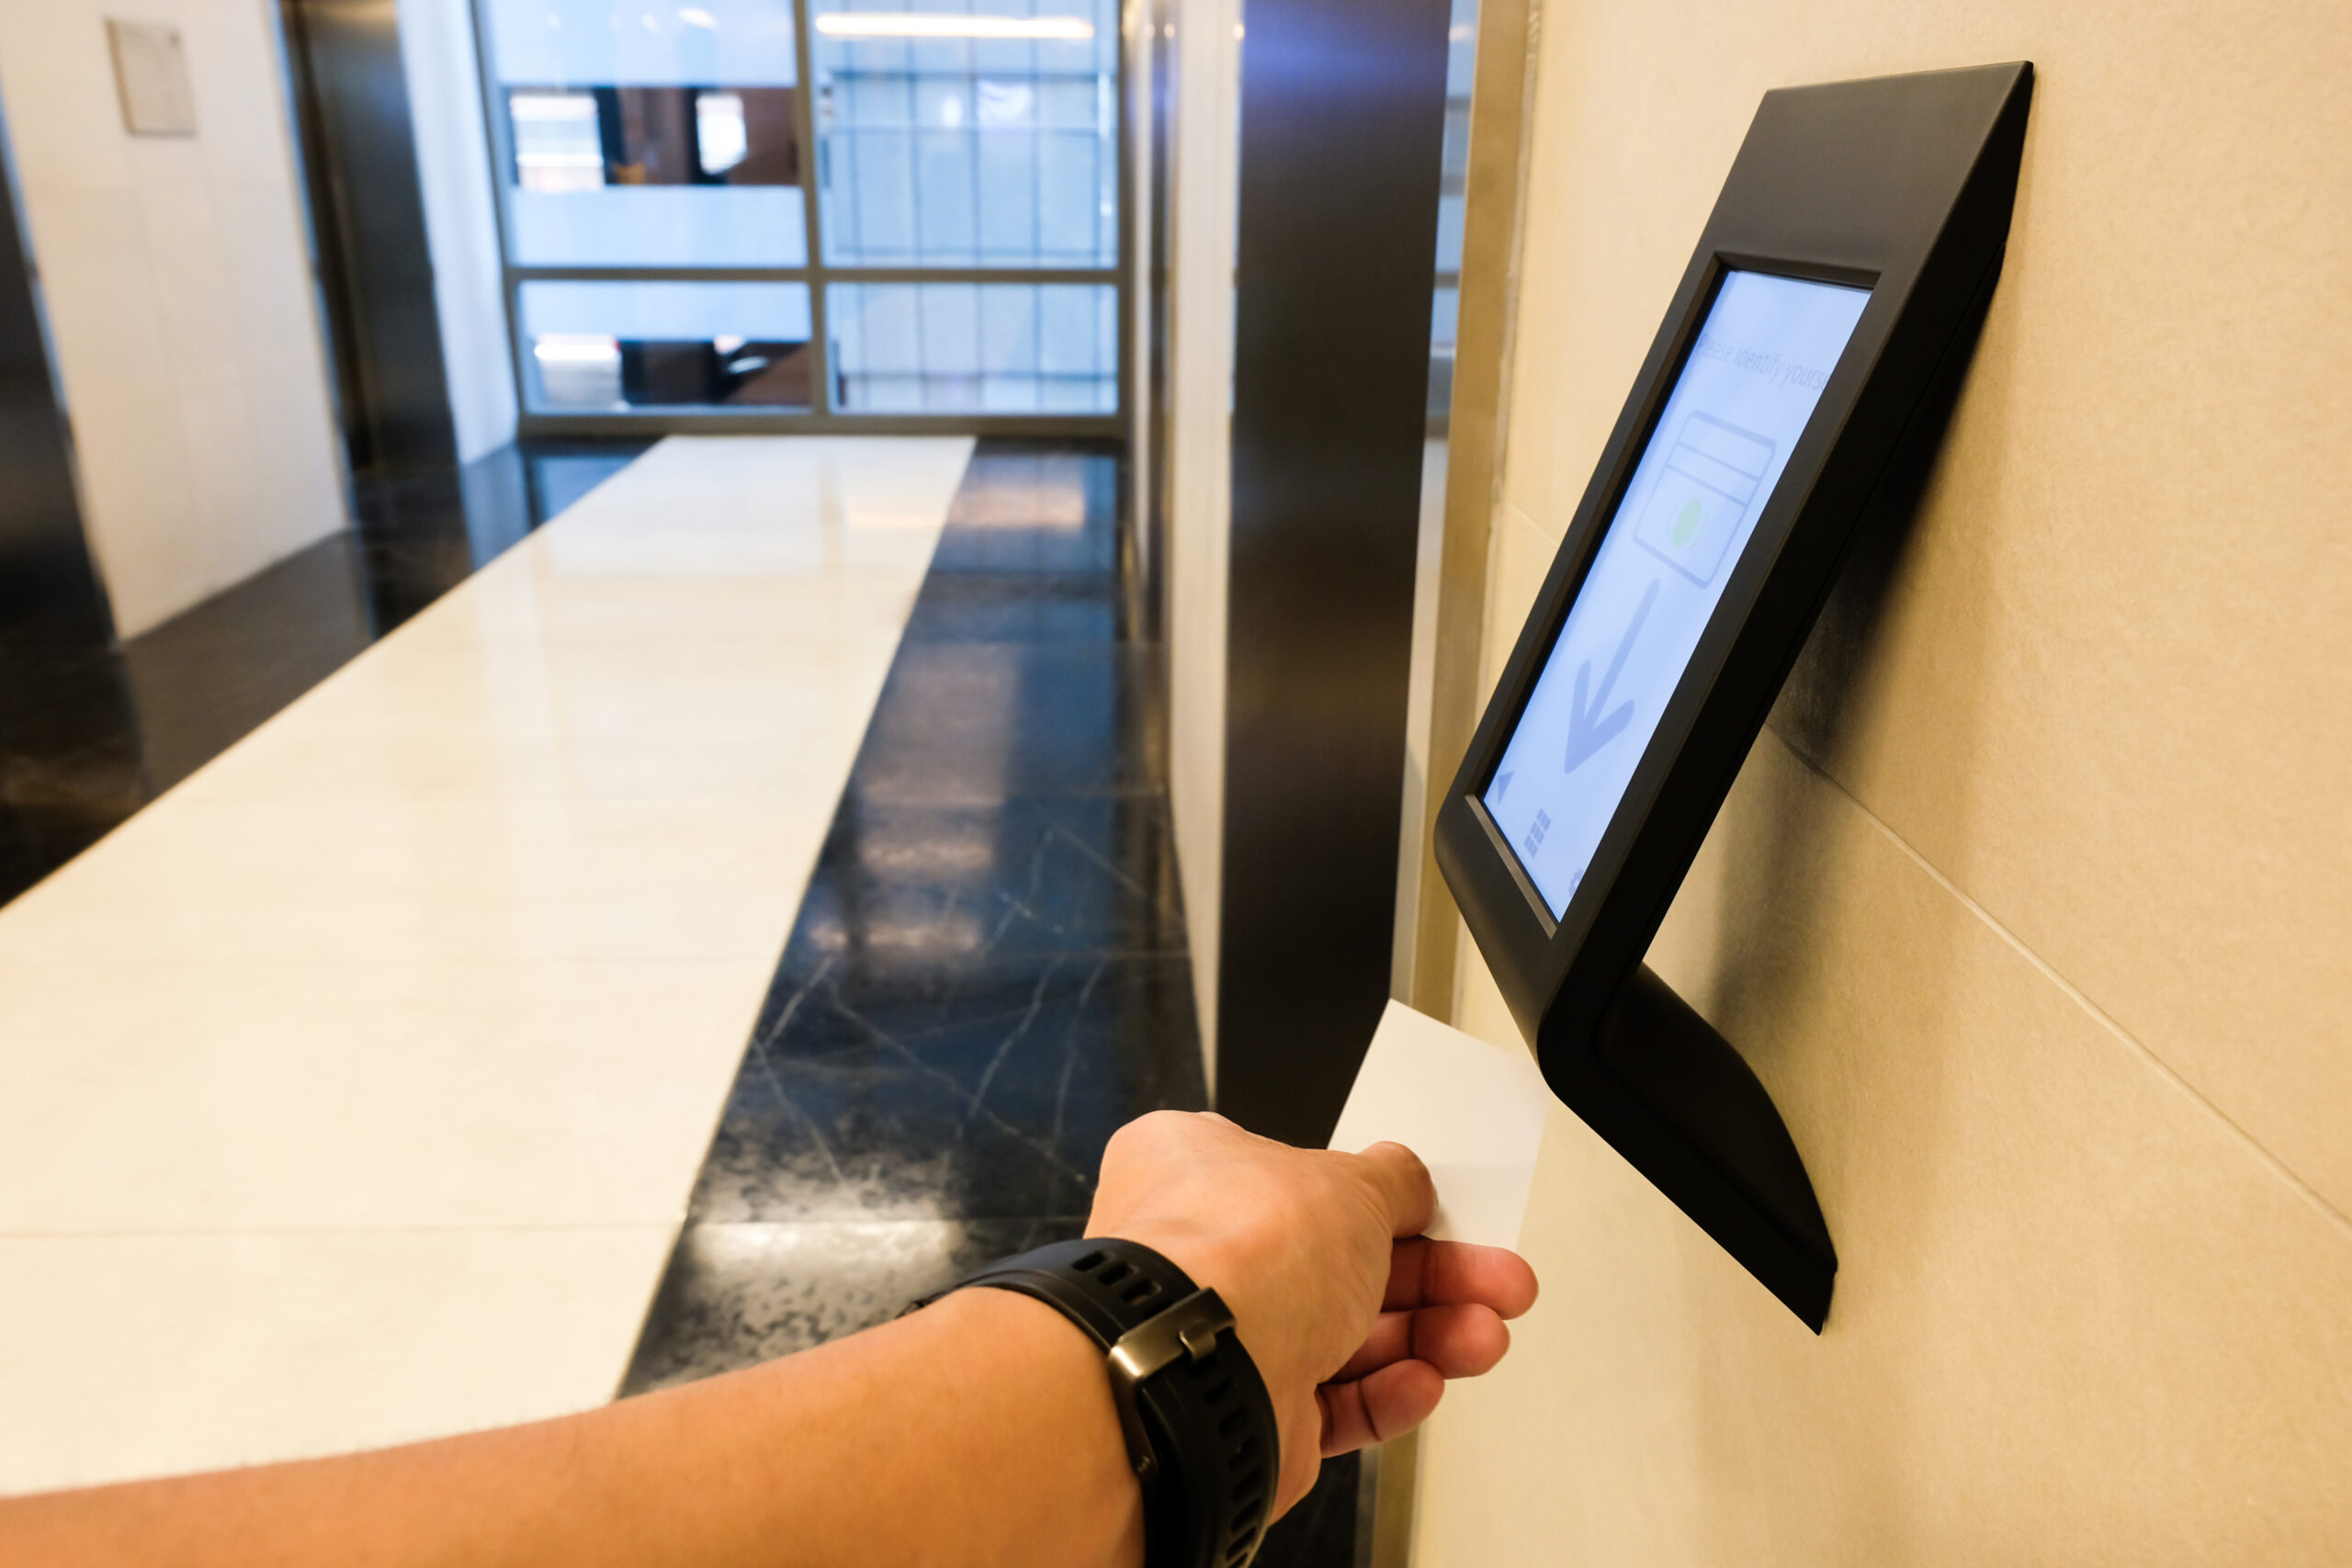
column 1740, row 589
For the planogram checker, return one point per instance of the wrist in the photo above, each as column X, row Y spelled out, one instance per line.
column 1198, row 1429
column 1096, row 1496
column 1212, row 1259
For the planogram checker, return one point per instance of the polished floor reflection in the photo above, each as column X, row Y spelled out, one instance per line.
column 987, row 974
column 354, row 1090
column 91, row 731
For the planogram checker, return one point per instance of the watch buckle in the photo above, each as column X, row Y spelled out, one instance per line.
column 1187, row 1328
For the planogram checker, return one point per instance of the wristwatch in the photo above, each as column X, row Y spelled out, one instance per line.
column 1199, row 1424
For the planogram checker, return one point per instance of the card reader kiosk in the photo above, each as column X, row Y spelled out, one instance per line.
column 1798, row 380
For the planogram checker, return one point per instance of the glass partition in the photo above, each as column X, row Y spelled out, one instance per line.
column 1445, row 304
column 976, row 348
column 654, row 167
column 610, row 347
column 970, row 138
column 636, row 136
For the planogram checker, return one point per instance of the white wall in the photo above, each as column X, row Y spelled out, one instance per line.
column 1205, row 170
column 176, row 274
column 460, row 218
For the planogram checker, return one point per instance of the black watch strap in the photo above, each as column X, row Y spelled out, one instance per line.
column 1199, row 1423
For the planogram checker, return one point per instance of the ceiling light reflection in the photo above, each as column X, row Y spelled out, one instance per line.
column 561, row 107
column 967, row 854
column 959, row 934
column 574, row 348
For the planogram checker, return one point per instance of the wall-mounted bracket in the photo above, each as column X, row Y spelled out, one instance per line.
column 1674, row 1098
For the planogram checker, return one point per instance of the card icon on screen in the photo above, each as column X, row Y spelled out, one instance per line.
column 1712, row 476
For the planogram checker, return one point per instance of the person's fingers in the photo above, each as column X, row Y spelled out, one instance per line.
column 1391, row 1339
column 1403, row 1182
column 1463, row 1341
column 1398, row 1399
column 1373, row 1409
column 1437, row 1273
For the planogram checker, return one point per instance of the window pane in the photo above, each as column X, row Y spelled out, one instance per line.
column 651, row 136
column 969, row 132
column 732, row 43
column 613, row 347
column 974, row 347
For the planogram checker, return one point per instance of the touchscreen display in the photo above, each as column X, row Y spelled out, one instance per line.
column 1745, row 391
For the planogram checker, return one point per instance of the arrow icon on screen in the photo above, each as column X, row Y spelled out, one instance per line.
column 1587, row 732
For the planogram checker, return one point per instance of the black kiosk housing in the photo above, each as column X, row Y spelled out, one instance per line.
column 1902, row 186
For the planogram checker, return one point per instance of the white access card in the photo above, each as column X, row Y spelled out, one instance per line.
column 1474, row 1112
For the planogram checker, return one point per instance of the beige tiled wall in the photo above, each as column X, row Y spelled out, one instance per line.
column 2033, row 909
column 174, row 274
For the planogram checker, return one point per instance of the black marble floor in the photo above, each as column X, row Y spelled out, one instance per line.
column 91, row 730
column 988, row 975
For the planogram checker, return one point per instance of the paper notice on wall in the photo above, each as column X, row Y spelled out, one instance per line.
column 151, row 76
column 1472, row 1111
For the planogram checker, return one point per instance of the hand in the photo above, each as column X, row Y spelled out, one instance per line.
column 1354, row 1319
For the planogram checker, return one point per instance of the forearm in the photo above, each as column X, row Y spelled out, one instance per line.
column 979, row 1431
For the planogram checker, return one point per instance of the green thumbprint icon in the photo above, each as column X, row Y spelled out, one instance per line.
column 1687, row 521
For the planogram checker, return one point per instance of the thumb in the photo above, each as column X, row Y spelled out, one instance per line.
column 1402, row 1184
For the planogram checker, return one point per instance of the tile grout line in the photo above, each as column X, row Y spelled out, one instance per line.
column 2107, row 1020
